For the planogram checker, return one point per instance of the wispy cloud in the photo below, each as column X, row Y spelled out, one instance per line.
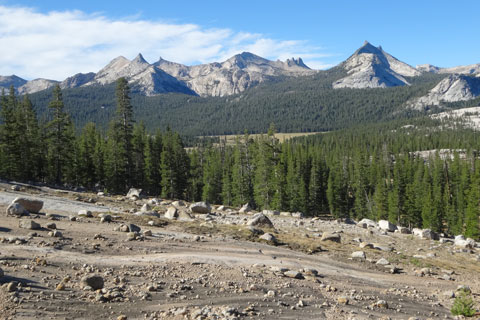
column 56, row 45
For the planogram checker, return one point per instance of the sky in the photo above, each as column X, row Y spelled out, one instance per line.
column 56, row 39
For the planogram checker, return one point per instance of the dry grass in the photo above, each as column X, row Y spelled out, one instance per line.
column 231, row 139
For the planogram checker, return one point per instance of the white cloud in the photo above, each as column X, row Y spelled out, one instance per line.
column 56, row 45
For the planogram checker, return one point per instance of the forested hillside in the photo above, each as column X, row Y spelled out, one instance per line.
column 303, row 104
column 369, row 171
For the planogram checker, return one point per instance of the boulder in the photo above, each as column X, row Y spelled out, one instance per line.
column 387, row 225
column 367, row 223
column 153, row 202
column 94, row 282
column 271, row 212
column 382, row 261
column 133, row 228
column 172, row 213
column 360, row 255
column 245, row 208
column 146, row 208
column 200, row 207
column 31, row 205
column 260, row 220
column 183, row 215
column 268, row 237
column 134, row 193
column 327, row 236
column 16, row 209
column 461, row 242
column 85, row 213
column 28, row 224
column 297, row 214
column 147, row 213
column 425, row 234
column 178, row 203
column 404, row 230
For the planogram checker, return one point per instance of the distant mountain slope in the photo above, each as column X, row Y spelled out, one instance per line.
column 455, row 87
column 235, row 75
column 469, row 69
column 371, row 67
column 36, row 85
column 300, row 104
column 13, row 80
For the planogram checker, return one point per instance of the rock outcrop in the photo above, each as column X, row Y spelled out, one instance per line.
column 455, row 87
column 371, row 67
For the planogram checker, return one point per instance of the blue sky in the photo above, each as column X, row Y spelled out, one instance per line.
column 85, row 35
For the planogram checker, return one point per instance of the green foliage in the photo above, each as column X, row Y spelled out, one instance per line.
column 301, row 104
column 463, row 305
column 372, row 171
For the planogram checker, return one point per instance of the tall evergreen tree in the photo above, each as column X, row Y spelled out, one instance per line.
column 60, row 139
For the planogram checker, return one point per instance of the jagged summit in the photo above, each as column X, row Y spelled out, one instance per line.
column 140, row 59
column 234, row 75
column 371, row 67
column 296, row 62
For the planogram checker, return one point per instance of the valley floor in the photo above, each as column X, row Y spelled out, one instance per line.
column 212, row 268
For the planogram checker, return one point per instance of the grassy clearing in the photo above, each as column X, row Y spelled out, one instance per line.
column 230, row 139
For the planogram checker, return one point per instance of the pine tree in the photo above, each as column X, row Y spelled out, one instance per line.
column 119, row 163
column 472, row 212
column 139, row 138
column 29, row 143
column 60, row 140
column 212, row 177
column 87, row 170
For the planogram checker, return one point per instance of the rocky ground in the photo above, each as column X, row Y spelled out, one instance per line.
column 128, row 260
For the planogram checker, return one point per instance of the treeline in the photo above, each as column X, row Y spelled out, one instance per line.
column 373, row 172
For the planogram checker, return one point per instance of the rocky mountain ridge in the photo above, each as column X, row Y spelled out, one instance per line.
column 232, row 76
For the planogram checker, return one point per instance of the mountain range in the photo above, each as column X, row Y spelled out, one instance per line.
column 232, row 76
column 248, row 92
column 368, row 67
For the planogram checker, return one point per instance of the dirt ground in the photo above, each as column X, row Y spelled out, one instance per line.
column 214, row 267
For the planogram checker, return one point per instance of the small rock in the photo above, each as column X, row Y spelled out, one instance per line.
column 95, row 282
column 381, row 304
column 260, row 220
column 200, row 207
column 147, row 233
column 268, row 237
column 134, row 194
column 359, row 255
column 51, row 225
column 85, row 213
column 245, row 208
column 387, row 226
column 382, row 261
column 342, row 300
column 146, row 208
column 55, row 233
column 293, row 274
column 172, row 213
column 327, row 236
column 28, row 224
